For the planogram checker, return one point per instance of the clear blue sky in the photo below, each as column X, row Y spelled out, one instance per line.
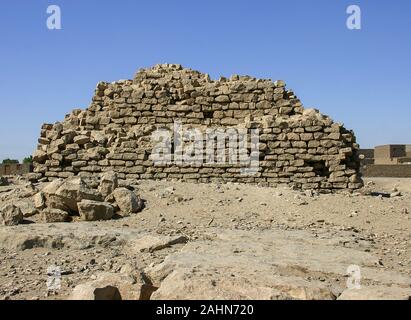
column 361, row 78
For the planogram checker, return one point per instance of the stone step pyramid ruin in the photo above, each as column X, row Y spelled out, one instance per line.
column 294, row 146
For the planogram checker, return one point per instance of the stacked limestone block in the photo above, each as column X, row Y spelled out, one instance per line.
column 298, row 147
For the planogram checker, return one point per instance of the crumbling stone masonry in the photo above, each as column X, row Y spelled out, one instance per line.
column 299, row 147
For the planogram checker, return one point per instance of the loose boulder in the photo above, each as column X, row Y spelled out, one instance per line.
column 10, row 215
column 93, row 210
column 113, row 286
column 39, row 200
column 27, row 207
column 50, row 199
column 127, row 201
column 75, row 190
column 65, row 194
column 80, row 196
column 51, row 215
column 95, row 291
column 109, row 182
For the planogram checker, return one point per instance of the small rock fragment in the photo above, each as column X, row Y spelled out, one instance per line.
column 10, row 215
column 395, row 194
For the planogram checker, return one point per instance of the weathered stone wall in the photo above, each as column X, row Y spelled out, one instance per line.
column 298, row 147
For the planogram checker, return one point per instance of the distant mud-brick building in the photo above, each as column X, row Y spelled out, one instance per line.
column 298, row 147
column 14, row 169
column 391, row 160
column 389, row 154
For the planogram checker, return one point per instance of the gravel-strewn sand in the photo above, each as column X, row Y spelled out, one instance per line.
column 371, row 223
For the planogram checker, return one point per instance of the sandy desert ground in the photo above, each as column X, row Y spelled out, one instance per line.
column 209, row 241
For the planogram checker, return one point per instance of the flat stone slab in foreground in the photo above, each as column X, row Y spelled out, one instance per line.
column 271, row 265
column 230, row 264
